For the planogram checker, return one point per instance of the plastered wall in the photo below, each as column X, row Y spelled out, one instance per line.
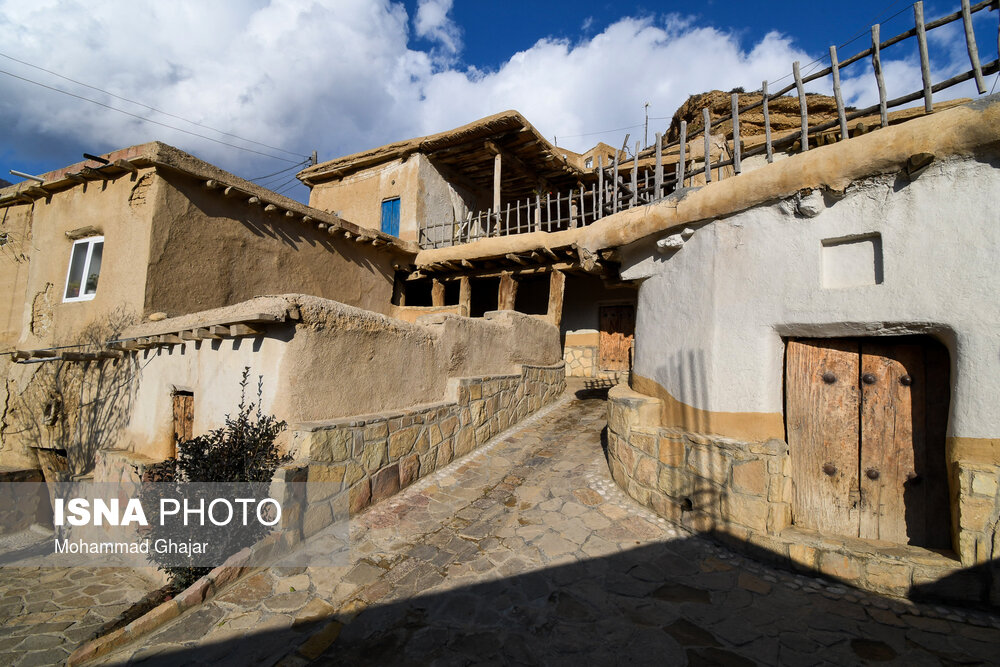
column 712, row 314
column 426, row 196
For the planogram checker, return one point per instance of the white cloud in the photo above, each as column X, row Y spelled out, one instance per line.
column 432, row 22
column 340, row 76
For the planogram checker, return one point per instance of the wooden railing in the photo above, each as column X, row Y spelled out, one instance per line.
column 614, row 190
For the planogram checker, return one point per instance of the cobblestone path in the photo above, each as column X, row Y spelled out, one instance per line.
column 45, row 612
column 526, row 552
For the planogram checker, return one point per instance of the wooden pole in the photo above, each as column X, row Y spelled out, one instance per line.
column 437, row 292
column 736, row 133
column 508, row 292
column 538, row 212
column 635, row 177
column 841, row 115
column 464, row 296
column 496, row 181
column 803, row 111
column 925, row 62
column 658, row 173
column 557, row 288
column 508, row 218
column 680, row 160
column 767, row 124
column 970, row 43
column 548, row 209
column 614, row 195
column 708, row 145
column 877, row 66
column 600, row 186
column 583, row 210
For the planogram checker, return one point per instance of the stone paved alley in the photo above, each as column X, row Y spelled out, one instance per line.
column 525, row 552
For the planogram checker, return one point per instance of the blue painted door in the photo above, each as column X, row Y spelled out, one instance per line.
column 390, row 216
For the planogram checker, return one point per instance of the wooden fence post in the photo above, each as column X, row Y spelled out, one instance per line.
column 877, row 66
column 803, row 111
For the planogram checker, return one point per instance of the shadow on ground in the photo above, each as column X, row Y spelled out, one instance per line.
column 678, row 602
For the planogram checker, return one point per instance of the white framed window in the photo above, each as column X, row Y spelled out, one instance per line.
column 589, row 163
column 84, row 269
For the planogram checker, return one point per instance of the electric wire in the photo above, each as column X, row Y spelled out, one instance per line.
column 294, row 166
column 146, row 106
column 143, row 118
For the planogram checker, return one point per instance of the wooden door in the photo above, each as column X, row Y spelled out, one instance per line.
column 823, row 433
column 617, row 333
column 866, row 427
column 183, row 416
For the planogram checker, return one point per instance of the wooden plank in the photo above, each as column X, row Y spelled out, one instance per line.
column 557, row 289
column 925, row 62
column 892, row 441
column 658, row 170
column 803, row 106
column 821, row 412
column 736, row 132
column 168, row 339
column 708, row 144
column 767, row 124
column 970, row 44
column 538, row 212
column 183, row 411
column 239, row 330
column 877, row 66
column 681, row 157
column 496, row 181
column 837, row 96
column 617, row 331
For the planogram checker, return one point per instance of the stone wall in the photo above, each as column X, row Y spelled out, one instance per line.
column 582, row 362
column 374, row 456
column 741, row 494
column 23, row 500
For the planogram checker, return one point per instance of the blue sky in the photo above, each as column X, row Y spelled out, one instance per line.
column 339, row 76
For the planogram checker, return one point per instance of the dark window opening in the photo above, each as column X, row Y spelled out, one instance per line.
column 532, row 296
column 417, row 292
column 484, row 297
column 452, row 288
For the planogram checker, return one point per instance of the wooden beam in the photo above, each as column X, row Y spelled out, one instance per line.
column 970, row 44
column 925, row 62
column 240, row 330
column 803, row 108
column 767, row 124
column 736, row 133
column 879, row 79
column 514, row 258
column 126, row 165
column 94, row 173
column 168, row 339
column 837, row 96
column 270, row 207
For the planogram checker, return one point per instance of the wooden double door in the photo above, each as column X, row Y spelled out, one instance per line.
column 866, row 422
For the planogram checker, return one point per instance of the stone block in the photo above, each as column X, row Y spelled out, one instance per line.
column 638, row 492
column 976, row 514
column 434, row 435
column 385, row 482
column 888, row 577
column 710, row 463
column 984, row 484
column 409, row 470
column 317, row 517
column 423, row 443
column 330, row 445
column 401, row 442
column 644, row 442
column 477, row 411
column 698, row 521
column 627, row 456
column 444, row 454
column 448, row 426
column 749, row 511
column 324, row 481
column 647, row 471
column 843, row 567
column 672, row 450
column 751, row 477
column 374, row 456
column 780, row 490
column 618, row 472
column 779, row 517
column 360, row 496
column 377, row 430
column 675, row 482
column 353, row 473
column 465, row 441
column 665, row 507
column 475, row 391
column 803, row 556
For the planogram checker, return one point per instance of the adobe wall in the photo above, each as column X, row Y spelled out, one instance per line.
column 334, row 361
column 425, row 196
column 118, row 209
column 888, row 255
column 207, row 251
column 15, row 248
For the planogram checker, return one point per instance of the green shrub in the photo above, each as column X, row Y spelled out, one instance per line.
column 242, row 450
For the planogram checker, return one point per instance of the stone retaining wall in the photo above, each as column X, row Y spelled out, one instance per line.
column 23, row 500
column 374, row 456
column 741, row 494
column 583, row 361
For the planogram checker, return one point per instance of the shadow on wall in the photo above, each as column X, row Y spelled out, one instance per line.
column 673, row 602
column 70, row 409
column 686, row 374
